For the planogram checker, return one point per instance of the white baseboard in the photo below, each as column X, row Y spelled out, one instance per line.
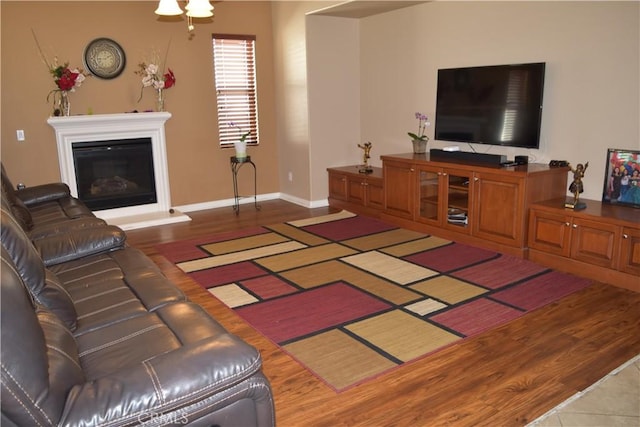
column 261, row 197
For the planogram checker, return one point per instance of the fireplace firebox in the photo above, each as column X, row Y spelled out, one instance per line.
column 115, row 173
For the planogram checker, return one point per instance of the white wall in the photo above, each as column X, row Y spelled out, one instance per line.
column 592, row 51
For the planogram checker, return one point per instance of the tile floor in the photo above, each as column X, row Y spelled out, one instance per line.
column 612, row 401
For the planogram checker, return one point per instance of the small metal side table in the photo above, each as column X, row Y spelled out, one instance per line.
column 236, row 164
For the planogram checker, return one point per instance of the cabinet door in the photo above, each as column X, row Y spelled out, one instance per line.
column 356, row 190
column 594, row 242
column 499, row 213
column 430, row 195
column 399, row 189
column 337, row 186
column 630, row 251
column 549, row 232
column 457, row 203
column 375, row 193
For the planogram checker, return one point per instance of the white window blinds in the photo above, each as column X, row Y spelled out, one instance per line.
column 235, row 80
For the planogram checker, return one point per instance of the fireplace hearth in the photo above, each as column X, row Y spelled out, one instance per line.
column 117, row 165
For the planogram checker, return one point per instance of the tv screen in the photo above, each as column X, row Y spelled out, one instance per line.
column 498, row 104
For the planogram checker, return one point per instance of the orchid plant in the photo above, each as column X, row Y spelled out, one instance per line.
column 243, row 136
column 423, row 123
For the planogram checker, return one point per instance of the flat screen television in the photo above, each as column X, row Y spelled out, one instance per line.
column 622, row 178
column 497, row 104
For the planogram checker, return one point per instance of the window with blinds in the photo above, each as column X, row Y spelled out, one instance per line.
column 235, row 80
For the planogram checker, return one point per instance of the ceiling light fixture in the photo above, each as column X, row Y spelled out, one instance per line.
column 195, row 9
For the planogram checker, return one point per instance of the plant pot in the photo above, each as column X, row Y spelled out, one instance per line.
column 420, row 146
column 241, row 149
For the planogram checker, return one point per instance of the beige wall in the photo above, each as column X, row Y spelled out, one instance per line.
column 199, row 169
column 592, row 86
column 333, row 61
column 293, row 99
column 309, row 119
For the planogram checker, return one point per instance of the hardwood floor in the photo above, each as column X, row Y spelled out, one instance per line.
column 505, row 377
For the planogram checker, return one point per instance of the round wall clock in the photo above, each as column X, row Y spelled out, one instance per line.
column 104, row 58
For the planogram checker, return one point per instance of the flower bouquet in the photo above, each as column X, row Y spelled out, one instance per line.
column 153, row 77
column 66, row 79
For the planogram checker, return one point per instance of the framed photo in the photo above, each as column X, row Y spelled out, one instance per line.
column 622, row 177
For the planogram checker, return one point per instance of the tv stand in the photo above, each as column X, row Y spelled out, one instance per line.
column 483, row 205
column 469, row 157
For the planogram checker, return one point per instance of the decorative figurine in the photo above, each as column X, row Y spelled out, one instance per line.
column 365, row 168
column 576, row 186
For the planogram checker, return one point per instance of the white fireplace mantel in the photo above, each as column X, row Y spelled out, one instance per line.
column 105, row 127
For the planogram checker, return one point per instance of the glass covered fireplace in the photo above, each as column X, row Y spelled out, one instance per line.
column 115, row 173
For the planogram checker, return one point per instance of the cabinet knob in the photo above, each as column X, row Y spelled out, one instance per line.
column 476, row 179
column 439, row 173
column 444, row 174
column 625, row 236
column 365, row 184
column 567, row 224
column 412, row 170
column 575, row 225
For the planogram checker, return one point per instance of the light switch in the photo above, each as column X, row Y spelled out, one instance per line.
column 20, row 134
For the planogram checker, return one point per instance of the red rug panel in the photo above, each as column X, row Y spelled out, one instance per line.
column 293, row 316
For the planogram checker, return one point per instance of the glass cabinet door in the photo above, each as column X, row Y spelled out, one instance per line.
column 457, row 190
column 429, row 182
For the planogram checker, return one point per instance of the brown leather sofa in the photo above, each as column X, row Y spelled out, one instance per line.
column 94, row 335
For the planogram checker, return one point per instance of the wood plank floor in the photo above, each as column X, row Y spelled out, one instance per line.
column 505, row 377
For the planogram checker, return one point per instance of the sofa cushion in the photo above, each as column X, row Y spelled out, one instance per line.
column 44, row 286
column 111, row 287
column 63, row 247
column 43, row 193
column 17, row 208
column 40, row 364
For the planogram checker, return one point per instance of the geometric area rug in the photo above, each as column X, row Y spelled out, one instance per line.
column 351, row 297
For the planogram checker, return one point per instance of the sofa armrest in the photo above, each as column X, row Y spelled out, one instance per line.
column 79, row 243
column 166, row 384
column 43, row 193
column 71, row 225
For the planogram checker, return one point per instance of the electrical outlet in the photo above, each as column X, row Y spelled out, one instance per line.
column 20, row 135
column 290, row 176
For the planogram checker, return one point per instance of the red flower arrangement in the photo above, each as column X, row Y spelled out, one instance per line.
column 67, row 79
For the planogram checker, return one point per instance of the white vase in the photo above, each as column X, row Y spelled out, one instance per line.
column 241, row 149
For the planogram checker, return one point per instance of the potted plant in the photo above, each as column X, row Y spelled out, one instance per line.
column 420, row 139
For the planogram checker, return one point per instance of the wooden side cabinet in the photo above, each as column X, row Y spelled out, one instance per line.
column 580, row 239
column 358, row 192
column 601, row 242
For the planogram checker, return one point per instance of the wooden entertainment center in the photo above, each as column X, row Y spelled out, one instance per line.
column 518, row 210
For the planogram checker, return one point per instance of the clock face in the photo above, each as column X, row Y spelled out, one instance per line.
column 104, row 58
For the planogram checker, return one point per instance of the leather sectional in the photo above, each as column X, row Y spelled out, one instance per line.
column 93, row 334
